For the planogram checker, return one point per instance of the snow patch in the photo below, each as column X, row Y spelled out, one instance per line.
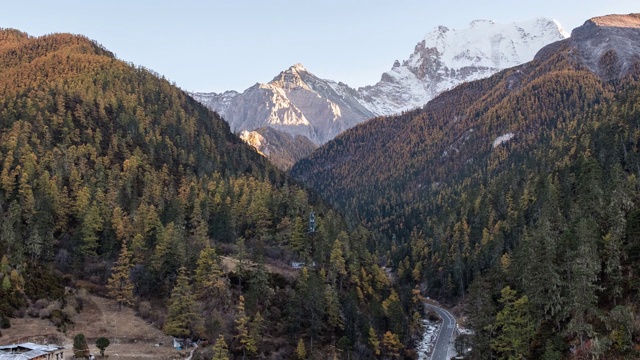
column 429, row 337
column 502, row 139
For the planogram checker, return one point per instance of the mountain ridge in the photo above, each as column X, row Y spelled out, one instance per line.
column 298, row 102
column 119, row 180
column 517, row 188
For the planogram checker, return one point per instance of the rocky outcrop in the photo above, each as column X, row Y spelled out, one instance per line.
column 281, row 148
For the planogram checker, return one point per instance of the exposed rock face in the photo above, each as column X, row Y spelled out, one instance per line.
column 296, row 102
column 608, row 45
column 281, row 148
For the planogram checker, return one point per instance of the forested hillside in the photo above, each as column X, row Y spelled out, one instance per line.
column 517, row 195
column 113, row 180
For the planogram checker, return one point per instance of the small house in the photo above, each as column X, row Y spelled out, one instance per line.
column 31, row 351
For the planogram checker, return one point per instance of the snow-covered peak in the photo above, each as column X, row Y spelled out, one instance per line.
column 447, row 57
column 481, row 22
column 563, row 32
column 300, row 103
column 489, row 44
column 298, row 67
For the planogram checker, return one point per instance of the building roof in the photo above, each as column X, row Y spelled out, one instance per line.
column 26, row 351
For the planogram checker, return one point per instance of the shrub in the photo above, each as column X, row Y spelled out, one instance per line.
column 102, row 343
column 33, row 312
column 5, row 323
column 20, row 313
column 433, row 316
column 144, row 310
column 80, row 347
column 44, row 313
column 41, row 304
column 79, row 303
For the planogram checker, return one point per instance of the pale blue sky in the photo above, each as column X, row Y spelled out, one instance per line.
column 222, row 45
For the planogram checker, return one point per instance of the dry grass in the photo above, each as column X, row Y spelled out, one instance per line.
column 629, row 21
column 131, row 337
column 229, row 264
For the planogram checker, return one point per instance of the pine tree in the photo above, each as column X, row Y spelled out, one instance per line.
column 120, row 285
column 374, row 341
column 337, row 267
column 260, row 292
column 183, row 319
column 392, row 345
column 299, row 243
column 220, row 349
column 256, row 328
column 301, row 351
column 334, row 318
column 211, row 284
column 393, row 310
column 247, row 342
column 514, row 327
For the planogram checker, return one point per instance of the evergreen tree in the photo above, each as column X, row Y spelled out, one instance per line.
column 259, row 292
column 80, row 346
column 337, row 266
column 514, row 327
column 299, row 240
column 210, row 282
column 119, row 285
column 183, row 319
column 301, row 351
column 334, row 317
column 220, row 349
column 374, row 342
column 244, row 337
column 257, row 328
column 391, row 345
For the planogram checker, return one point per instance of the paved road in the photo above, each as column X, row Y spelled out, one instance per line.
column 445, row 335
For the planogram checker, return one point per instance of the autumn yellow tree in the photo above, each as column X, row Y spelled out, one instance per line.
column 247, row 342
column 119, row 285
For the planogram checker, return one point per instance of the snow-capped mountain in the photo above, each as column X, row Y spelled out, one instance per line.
column 448, row 57
column 295, row 101
column 299, row 103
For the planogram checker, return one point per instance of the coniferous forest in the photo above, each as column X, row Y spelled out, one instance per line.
column 515, row 199
column 115, row 181
column 516, row 196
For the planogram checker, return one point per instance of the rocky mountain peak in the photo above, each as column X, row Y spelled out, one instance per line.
column 622, row 21
column 299, row 103
column 292, row 78
column 297, row 67
column 608, row 45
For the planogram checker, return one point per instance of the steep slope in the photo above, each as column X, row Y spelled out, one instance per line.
column 299, row 103
column 282, row 149
column 295, row 101
column 448, row 57
column 426, row 145
column 521, row 189
column 125, row 184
